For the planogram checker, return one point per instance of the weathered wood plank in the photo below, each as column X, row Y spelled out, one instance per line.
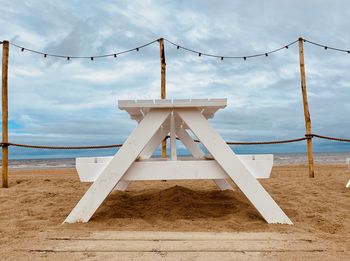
column 306, row 109
column 5, row 60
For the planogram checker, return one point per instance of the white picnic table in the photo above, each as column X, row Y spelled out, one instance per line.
column 133, row 161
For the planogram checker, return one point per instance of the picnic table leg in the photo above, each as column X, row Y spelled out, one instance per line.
column 173, row 152
column 198, row 153
column 122, row 185
column 116, row 168
column 154, row 143
column 233, row 166
column 146, row 153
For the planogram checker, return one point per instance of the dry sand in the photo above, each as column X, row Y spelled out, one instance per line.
column 37, row 202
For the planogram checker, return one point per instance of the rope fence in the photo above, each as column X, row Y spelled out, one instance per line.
column 327, row 137
column 8, row 144
column 307, row 136
column 5, row 144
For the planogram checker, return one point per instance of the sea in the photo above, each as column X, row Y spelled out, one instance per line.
column 279, row 159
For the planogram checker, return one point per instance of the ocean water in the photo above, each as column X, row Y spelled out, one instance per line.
column 279, row 159
column 320, row 158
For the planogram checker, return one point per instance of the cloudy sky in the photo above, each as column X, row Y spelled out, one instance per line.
column 60, row 102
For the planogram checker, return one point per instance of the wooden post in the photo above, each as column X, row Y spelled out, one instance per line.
column 162, row 84
column 5, row 59
column 306, row 109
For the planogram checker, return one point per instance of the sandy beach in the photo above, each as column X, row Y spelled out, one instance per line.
column 37, row 202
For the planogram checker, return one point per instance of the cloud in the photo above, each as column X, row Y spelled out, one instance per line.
column 57, row 101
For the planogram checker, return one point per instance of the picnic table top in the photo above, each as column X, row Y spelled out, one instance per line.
column 139, row 108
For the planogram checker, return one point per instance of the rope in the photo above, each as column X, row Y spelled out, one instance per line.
column 307, row 136
column 4, row 144
column 266, row 142
column 256, row 142
column 327, row 137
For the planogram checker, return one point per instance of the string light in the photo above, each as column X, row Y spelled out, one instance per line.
column 84, row 57
column 326, row 47
column 266, row 54
column 230, row 57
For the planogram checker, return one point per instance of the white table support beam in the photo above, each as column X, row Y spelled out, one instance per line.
column 189, row 143
column 199, row 154
column 233, row 166
column 173, row 154
column 122, row 185
column 146, row 153
column 116, row 168
column 154, row 143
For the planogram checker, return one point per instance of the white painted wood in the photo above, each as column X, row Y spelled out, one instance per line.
column 234, row 167
column 117, row 171
column 146, row 153
column 189, row 143
column 138, row 108
column 155, row 169
column 122, row 185
column 260, row 165
column 116, row 168
column 175, row 170
column 222, row 184
column 170, row 103
column 198, row 153
column 348, row 162
column 88, row 168
column 173, row 154
column 154, row 143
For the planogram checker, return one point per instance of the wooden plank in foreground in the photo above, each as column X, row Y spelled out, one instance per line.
column 184, row 236
column 181, row 246
column 171, row 242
